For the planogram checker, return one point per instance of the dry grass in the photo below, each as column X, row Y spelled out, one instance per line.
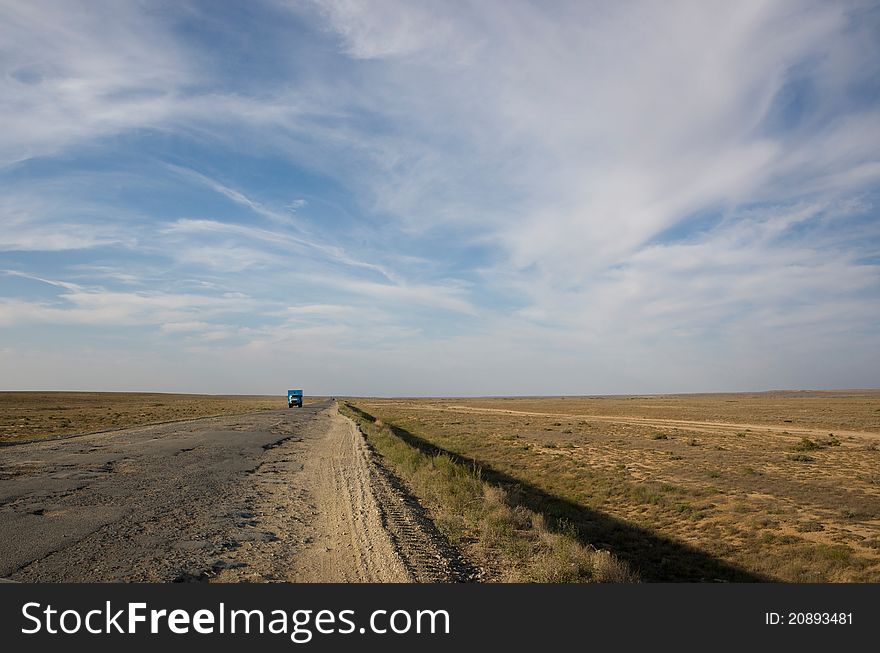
column 506, row 540
column 34, row 415
column 782, row 486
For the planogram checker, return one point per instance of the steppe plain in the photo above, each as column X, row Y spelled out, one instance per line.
column 780, row 486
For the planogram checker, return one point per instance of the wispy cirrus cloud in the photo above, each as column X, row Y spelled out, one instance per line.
column 99, row 307
column 237, row 196
column 592, row 197
column 45, row 218
column 274, row 239
column 77, row 71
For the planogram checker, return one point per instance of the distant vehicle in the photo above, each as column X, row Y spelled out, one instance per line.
column 294, row 398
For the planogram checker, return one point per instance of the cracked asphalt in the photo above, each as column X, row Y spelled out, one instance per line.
column 161, row 503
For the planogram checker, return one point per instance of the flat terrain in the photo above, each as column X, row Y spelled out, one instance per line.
column 745, row 487
column 279, row 495
column 32, row 415
column 769, row 486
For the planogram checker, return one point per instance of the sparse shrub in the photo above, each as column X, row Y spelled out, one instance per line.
column 522, row 517
column 764, row 522
column 514, row 540
column 645, row 494
column 860, row 515
column 609, row 569
column 806, row 444
column 834, row 552
column 660, row 436
column 801, row 458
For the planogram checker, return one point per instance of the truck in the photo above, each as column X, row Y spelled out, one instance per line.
column 294, row 398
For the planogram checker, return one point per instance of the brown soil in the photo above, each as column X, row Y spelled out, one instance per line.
column 284, row 495
column 38, row 415
column 339, row 518
column 784, row 486
column 334, row 519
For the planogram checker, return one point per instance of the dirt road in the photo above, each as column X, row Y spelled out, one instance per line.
column 692, row 425
column 283, row 495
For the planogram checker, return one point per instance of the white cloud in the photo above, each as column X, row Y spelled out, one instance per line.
column 224, row 257
column 329, row 311
column 39, row 220
column 108, row 272
column 99, row 307
column 185, row 327
column 75, row 71
column 237, row 196
column 446, row 297
column 604, row 126
column 534, row 166
column 50, row 238
column 329, row 252
column 395, row 28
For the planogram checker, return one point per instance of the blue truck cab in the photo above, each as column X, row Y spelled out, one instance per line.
column 294, row 398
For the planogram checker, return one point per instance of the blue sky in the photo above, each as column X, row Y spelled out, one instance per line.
column 439, row 198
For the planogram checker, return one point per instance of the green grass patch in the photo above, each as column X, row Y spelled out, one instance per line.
column 512, row 542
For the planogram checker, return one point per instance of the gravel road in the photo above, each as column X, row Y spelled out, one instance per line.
column 284, row 495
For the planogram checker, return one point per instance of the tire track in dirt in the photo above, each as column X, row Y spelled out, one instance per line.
column 283, row 496
column 425, row 552
column 693, row 425
column 366, row 526
column 349, row 543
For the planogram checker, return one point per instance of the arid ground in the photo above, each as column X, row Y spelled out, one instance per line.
column 778, row 486
column 278, row 495
column 743, row 487
column 36, row 415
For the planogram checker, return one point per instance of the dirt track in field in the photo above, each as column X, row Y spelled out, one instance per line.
column 275, row 496
column 691, row 425
column 784, row 485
